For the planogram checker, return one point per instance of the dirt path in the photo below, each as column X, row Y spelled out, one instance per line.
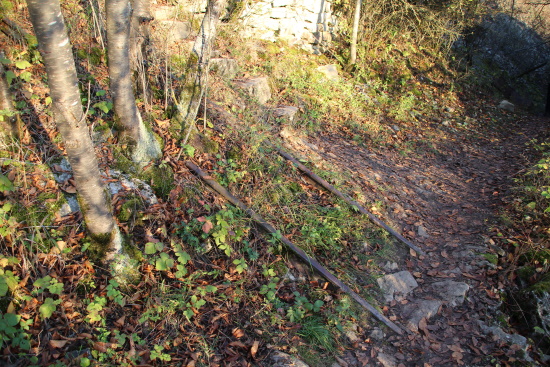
column 445, row 201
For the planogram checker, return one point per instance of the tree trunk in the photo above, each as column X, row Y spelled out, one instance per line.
column 140, row 34
column 355, row 30
column 195, row 79
column 56, row 51
column 8, row 119
column 140, row 139
column 547, row 111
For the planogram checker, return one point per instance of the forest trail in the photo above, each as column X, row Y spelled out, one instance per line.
column 446, row 201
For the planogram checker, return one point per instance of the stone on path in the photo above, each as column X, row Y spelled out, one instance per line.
column 387, row 360
column 397, row 286
column 281, row 359
column 499, row 334
column 257, row 88
column 451, row 292
column 416, row 311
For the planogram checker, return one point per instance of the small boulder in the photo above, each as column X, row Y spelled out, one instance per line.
column 506, row 105
column 397, row 285
column 451, row 292
column 257, row 88
column 225, row 68
column 285, row 112
column 281, row 359
column 330, row 71
column 416, row 311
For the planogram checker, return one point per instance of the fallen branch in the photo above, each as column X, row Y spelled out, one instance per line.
column 348, row 200
column 298, row 251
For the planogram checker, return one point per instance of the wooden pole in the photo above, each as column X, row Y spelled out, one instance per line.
column 347, row 199
column 298, row 251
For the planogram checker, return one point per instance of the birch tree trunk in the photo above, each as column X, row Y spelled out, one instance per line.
column 139, row 138
column 355, row 30
column 8, row 119
column 140, row 35
column 55, row 48
column 195, row 78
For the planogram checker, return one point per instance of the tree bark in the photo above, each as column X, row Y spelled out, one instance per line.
column 8, row 123
column 195, row 78
column 55, row 48
column 355, row 30
column 140, row 139
column 140, row 34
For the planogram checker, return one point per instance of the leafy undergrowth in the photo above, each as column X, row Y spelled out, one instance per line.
column 213, row 290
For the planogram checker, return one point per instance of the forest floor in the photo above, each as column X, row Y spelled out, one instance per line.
column 448, row 197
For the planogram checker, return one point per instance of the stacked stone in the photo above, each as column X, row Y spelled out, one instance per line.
column 307, row 23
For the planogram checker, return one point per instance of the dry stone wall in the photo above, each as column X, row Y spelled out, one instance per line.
column 310, row 24
column 307, row 23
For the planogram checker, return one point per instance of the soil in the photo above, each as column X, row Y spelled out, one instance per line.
column 454, row 188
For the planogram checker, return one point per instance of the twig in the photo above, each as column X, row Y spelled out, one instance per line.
column 347, row 199
column 298, row 251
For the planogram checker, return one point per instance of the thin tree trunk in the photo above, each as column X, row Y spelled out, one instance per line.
column 355, row 30
column 8, row 119
column 195, row 79
column 56, row 51
column 140, row 139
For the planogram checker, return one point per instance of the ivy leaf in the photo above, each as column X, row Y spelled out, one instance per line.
column 164, row 263
column 22, row 64
column 48, row 307
column 11, row 319
column 10, row 75
column 5, row 184
column 152, row 247
column 26, row 76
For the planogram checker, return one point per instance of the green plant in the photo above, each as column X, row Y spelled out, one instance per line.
column 94, row 309
column 11, row 333
column 240, row 264
column 315, row 331
column 157, row 353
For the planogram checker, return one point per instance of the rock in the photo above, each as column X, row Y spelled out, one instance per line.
column 397, row 285
column 445, row 122
column 416, row 311
column 225, row 68
column 257, row 88
column 535, row 303
column 422, row 232
column 285, row 112
column 377, row 334
column 352, row 336
column 70, row 206
column 508, row 106
column 499, row 334
column 163, row 12
column 387, row 360
column 330, row 71
column 451, row 292
column 135, row 185
column 171, row 31
column 299, row 146
column 390, row 266
column 281, row 359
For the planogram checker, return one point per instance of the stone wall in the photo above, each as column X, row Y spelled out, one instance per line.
column 309, row 24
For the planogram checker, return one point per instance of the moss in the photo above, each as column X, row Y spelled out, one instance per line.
column 235, row 153
column 492, row 258
column 541, row 287
column 210, row 145
column 161, row 179
column 526, row 272
column 130, row 209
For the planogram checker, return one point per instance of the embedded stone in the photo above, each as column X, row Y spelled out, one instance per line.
column 225, row 68
column 416, row 311
column 397, row 285
column 257, row 88
column 508, row 106
column 451, row 292
column 330, row 71
column 285, row 112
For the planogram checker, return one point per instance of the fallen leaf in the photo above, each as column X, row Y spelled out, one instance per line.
column 254, row 348
column 238, row 333
column 207, row 226
column 237, row 344
column 58, row 343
